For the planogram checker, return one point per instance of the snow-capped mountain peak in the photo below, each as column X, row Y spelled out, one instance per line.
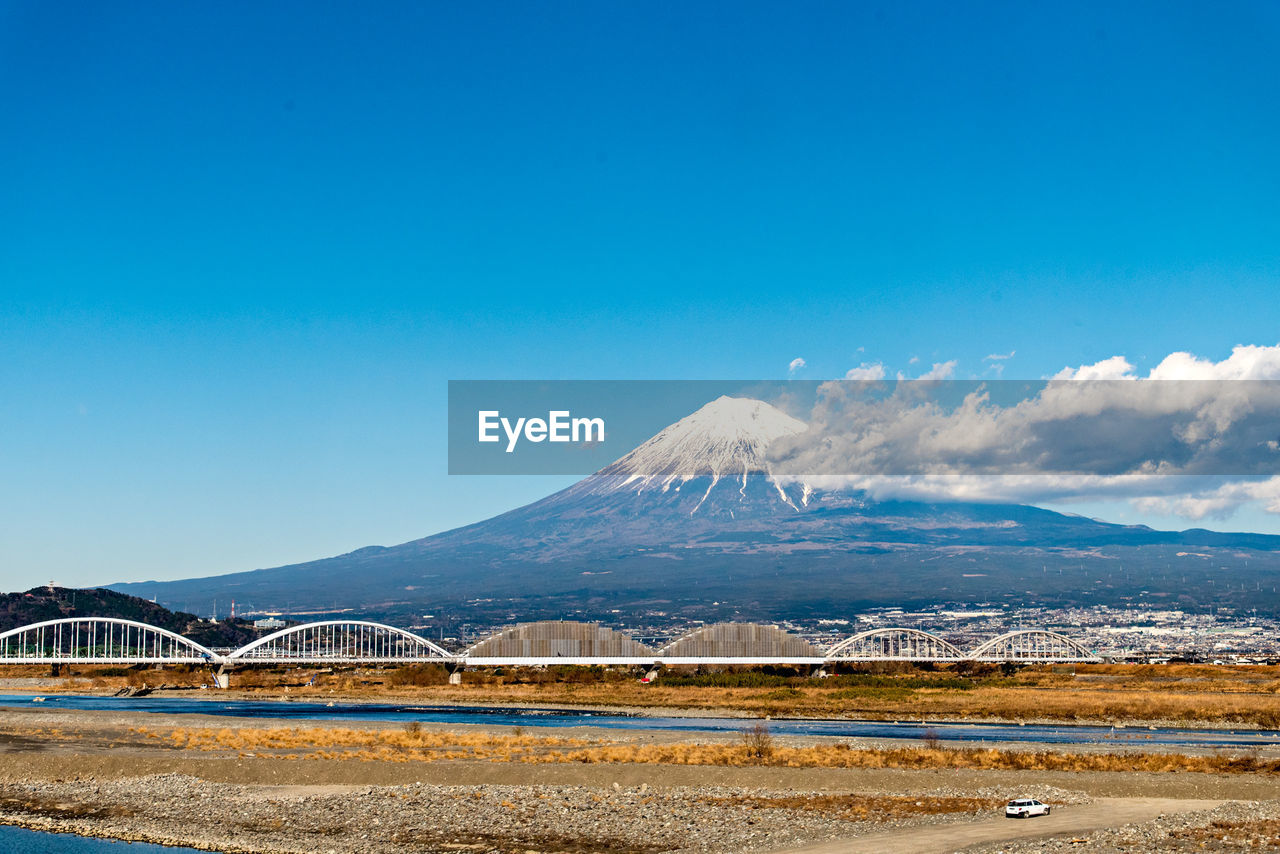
column 725, row 442
column 728, row 437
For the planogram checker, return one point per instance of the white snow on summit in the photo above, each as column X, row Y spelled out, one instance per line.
column 727, row 438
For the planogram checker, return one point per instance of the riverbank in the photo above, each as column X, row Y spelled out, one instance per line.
column 125, row 775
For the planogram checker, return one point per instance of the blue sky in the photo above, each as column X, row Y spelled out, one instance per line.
column 245, row 246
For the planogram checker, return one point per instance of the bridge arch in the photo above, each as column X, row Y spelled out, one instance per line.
column 340, row 642
column 728, row 643
column 556, row 641
column 890, row 644
column 99, row 640
column 1032, row 645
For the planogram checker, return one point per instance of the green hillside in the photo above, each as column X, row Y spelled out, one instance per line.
column 52, row 603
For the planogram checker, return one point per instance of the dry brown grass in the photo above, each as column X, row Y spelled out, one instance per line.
column 402, row 746
column 408, row 744
column 40, row 734
column 1184, row 671
column 84, row 678
column 840, row 756
column 866, row 807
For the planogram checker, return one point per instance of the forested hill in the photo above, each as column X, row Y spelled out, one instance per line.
column 52, row 603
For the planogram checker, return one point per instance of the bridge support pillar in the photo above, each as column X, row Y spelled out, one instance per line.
column 455, row 673
column 221, row 677
column 819, row 672
column 651, row 675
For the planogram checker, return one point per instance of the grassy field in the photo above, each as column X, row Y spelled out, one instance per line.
column 1226, row 695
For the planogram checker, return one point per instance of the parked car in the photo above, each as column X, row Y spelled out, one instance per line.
column 1025, row 808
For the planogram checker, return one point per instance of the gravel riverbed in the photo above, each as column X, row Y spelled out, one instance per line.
column 1235, row 826
column 181, row 810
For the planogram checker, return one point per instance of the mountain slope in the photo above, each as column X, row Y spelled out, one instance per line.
column 694, row 520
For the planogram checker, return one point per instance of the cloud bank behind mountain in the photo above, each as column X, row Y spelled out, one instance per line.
column 1193, row 436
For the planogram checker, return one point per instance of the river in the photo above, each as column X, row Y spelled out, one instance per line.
column 560, row 718
column 15, row 839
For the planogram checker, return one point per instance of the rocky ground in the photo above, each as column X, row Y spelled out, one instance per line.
column 179, row 809
column 1235, row 826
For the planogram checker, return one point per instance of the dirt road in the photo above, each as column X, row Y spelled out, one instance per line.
column 1064, row 821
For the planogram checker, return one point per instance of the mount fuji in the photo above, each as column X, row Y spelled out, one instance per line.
column 693, row 523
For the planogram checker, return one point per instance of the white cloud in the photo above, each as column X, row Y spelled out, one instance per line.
column 796, row 364
column 865, row 373
column 1115, row 368
column 996, row 357
column 1244, row 363
column 940, row 371
column 1190, row 497
column 1198, row 448
column 1217, row 501
column 1023, row 487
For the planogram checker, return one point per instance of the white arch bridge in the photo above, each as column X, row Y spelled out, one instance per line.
column 113, row 641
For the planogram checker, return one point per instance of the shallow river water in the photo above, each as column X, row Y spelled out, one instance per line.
column 16, row 839
column 560, row 718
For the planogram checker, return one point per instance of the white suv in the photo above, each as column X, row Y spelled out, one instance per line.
column 1025, row 808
